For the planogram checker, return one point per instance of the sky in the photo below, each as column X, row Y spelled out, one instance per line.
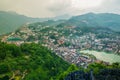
column 52, row 8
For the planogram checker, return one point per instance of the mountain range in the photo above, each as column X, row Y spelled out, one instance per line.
column 107, row 20
column 10, row 21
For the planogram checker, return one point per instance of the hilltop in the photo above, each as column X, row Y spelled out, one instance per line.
column 105, row 20
column 11, row 21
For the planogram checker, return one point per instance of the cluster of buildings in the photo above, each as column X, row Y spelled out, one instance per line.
column 73, row 56
column 65, row 43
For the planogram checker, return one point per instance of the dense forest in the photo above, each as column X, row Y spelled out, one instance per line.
column 29, row 62
column 35, row 62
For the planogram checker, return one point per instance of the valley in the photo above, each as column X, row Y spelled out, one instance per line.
column 67, row 41
column 57, row 48
column 59, row 39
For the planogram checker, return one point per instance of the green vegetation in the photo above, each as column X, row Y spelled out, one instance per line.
column 97, row 67
column 29, row 62
column 69, row 70
column 11, row 21
column 96, row 20
column 100, row 71
column 35, row 62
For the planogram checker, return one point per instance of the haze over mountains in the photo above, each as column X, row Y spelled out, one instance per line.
column 10, row 21
column 107, row 20
column 59, row 40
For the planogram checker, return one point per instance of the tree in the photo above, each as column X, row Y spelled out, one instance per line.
column 116, row 65
column 15, row 50
column 5, row 78
column 69, row 70
column 96, row 67
column 4, row 68
column 2, row 55
column 2, row 51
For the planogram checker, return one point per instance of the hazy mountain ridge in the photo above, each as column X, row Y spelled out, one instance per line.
column 10, row 21
column 39, row 63
column 107, row 20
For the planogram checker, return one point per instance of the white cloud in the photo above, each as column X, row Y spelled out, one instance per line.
column 50, row 8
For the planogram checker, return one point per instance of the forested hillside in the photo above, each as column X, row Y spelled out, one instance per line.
column 29, row 62
column 35, row 62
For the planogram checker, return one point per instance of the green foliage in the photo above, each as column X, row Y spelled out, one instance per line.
column 7, row 50
column 100, row 71
column 15, row 50
column 2, row 55
column 38, row 62
column 5, row 78
column 95, row 67
column 4, row 68
column 2, row 51
column 115, row 65
column 72, row 68
column 96, row 20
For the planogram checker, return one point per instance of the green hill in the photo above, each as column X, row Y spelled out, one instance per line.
column 30, row 62
column 10, row 21
column 107, row 20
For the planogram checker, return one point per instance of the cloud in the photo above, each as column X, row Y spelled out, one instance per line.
column 60, row 6
column 109, row 6
column 51, row 8
column 33, row 8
